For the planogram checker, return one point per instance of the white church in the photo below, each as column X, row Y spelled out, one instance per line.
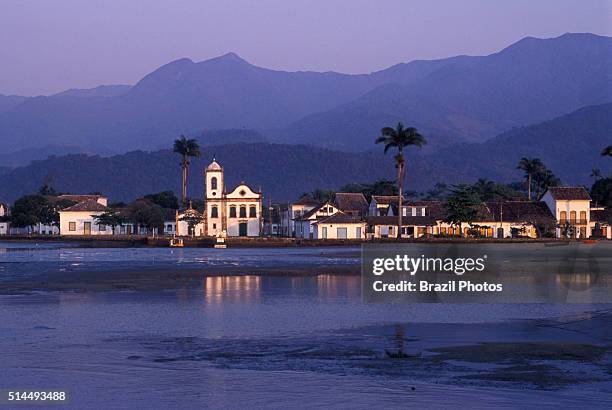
column 234, row 213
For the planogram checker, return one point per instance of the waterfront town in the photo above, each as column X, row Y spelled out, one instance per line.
column 560, row 212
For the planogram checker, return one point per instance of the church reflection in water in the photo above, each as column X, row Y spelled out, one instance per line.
column 252, row 288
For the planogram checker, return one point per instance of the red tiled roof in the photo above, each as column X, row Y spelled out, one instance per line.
column 569, row 193
column 86, row 206
column 307, row 201
column 339, row 218
column 385, row 199
column 79, row 198
column 519, row 211
column 351, row 201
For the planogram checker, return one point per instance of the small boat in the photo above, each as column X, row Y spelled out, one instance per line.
column 220, row 243
column 176, row 243
column 589, row 241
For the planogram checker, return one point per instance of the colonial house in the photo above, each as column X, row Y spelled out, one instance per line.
column 504, row 219
column 571, row 208
column 4, row 224
column 339, row 226
column 234, row 213
column 79, row 219
column 382, row 205
column 352, row 203
column 304, row 226
column 293, row 212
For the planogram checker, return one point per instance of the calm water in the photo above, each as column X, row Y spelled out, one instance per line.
column 255, row 341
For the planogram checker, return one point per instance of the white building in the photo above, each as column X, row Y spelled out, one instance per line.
column 79, row 219
column 293, row 212
column 304, row 225
column 234, row 213
column 571, row 208
column 4, row 224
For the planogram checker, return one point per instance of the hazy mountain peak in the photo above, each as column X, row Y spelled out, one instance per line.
column 228, row 58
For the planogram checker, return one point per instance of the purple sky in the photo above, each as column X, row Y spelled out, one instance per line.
column 49, row 46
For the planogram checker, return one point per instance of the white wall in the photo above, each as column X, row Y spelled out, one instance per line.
column 332, row 231
column 79, row 218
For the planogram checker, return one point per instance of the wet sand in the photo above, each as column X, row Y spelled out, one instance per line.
column 160, row 278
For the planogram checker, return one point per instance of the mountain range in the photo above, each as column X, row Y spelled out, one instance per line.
column 457, row 100
column 569, row 145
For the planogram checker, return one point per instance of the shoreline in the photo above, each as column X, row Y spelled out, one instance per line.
column 118, row 241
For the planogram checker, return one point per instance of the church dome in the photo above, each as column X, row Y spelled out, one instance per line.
column 214, row 166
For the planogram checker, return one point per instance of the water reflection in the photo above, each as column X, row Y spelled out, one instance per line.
column 251, row 288
column 232, row 289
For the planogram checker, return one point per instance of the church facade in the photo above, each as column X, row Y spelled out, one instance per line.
column 237, row 212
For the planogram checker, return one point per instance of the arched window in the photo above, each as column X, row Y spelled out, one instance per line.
column 213, row 183
column 583, row 217
column 563, row 216
column 252, row 211
column 232, row 212
column 243, row 211
column 573, row 216
column 214, row 212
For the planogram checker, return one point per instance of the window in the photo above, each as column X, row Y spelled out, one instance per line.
column 169, row 228
column 358, row 232
column 341, row 233
column 232, row 212
column 573, row 216
column 252, row 211
column 214, row 212
column 102, row 228
column 583, row 217
column 243, row 211
column 72, row 226
column 213, row 183
column 324, row 232
column 563, row 216
column 214, row 226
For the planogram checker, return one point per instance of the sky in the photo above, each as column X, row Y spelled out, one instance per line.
column 47, row 46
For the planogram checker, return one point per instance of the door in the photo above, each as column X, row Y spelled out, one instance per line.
column 341, row 233
column 324, row 232
column 358, row 232
column 242, row 229
column 86, row 228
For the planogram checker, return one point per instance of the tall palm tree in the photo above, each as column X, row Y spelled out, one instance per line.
column 531, row 166
column 399, row 138
column 607, row 151
column 186, row 148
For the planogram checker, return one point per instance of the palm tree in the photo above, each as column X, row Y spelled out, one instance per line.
column 531, row 166
column 186, row 148
column 399, row 138
column 607, row 151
